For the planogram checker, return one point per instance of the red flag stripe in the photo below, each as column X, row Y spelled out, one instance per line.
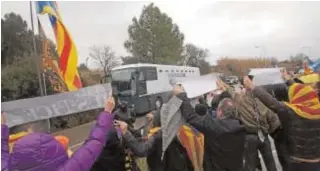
column 309, row 96
column 309, row 110
column 297, row 88
column 64, row 57
column 77, row 82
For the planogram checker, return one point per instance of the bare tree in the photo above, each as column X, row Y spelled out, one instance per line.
column 104, row 57
column 192, row 55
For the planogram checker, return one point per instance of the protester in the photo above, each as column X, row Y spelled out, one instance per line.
column 124, row 113
column 214, row 105
column 300, row 118
column 224, row 138
column 15, row 137
column 202, row 106
column 175, row 158
column 202, row 100
column 42, row 152
column 216, row 100
column 280, row 92
column 258, row 121
column 116, row 156
column 201, row 109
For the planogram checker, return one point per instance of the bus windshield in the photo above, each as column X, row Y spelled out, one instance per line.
column 122, row 75
column 123, row 83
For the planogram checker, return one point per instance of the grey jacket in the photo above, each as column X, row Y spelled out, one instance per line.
column 152, row 149
column 141, row 149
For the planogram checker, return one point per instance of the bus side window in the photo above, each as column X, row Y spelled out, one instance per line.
column 141, row 76
column 151, row 74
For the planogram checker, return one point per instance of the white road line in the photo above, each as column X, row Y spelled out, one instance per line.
column 76, row 145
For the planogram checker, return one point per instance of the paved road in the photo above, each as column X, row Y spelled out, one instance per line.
column 78, row 134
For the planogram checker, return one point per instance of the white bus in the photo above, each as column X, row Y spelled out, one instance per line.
column 146, row 87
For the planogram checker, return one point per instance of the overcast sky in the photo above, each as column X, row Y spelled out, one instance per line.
column 233, row 29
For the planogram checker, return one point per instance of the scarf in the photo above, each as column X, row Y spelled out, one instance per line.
column 15, row 137
column 192, row 140
column 303, row 99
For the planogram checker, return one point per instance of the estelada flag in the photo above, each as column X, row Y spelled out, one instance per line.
column 68, row 57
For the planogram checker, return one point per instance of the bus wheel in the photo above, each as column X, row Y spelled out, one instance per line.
column 158, row 103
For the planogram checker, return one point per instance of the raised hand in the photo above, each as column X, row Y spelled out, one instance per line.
column 122, row 125
column 178, row 89
column 3, row 118
column 150, row 116
column 221, row 85
column 109, row 104
column 248, row 83
column 285, row 75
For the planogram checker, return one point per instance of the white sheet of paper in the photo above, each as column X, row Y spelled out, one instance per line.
column 265, row 76
column 198, row 86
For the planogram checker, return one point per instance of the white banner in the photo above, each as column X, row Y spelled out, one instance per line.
column 265, row 76
column 200, row 85
column 34, row 109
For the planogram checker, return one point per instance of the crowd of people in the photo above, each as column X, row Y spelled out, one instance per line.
column 224, row 135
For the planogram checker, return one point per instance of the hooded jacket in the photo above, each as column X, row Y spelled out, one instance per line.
column 224, row 139
column 42, row 152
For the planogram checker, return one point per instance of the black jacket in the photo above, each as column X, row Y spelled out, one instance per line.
column 175, row 158
column 224, row 139
column 112, row 157
column 302, row 134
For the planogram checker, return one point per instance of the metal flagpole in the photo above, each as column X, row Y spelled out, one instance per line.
column 38, row 61
column 44, row 83
column 43, row 40
column 36, row 55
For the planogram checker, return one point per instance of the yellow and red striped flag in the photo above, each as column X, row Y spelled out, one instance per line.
column 303, row 99
column 68, row 57
column 193, row 141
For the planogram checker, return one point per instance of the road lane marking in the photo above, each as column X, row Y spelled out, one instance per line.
column 76, row 145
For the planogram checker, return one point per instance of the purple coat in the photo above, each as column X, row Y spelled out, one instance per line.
column 41, row 152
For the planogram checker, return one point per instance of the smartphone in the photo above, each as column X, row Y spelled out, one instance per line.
column 115, row 123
